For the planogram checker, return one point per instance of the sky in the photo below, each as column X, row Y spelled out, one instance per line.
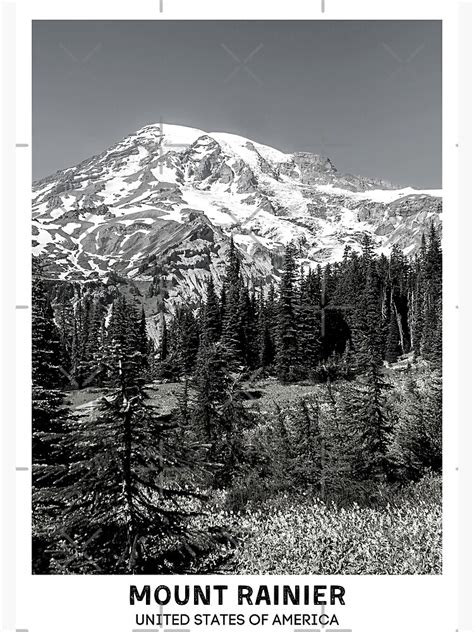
column 367, row 94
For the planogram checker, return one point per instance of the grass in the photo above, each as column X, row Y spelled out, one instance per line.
column 299, row 536
column 270, row 391
column 164, row 395
column 83, row 397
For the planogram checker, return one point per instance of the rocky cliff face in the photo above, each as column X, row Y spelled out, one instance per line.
column 173, row 196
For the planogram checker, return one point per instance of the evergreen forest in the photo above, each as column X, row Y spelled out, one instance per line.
column 290, row 427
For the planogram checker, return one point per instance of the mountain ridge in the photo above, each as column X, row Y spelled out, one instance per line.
column 172, row 196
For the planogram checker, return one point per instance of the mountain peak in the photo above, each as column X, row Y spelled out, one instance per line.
column 178, row 193
column 170, row 132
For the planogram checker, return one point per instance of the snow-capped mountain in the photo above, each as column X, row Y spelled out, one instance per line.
column 172, row 196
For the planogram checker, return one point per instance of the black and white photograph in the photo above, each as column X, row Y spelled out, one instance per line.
column 237, row 297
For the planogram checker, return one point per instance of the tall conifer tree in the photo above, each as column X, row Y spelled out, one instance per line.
column 287, row 347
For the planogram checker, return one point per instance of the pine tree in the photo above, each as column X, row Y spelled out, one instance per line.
column 367, row 252
column 247, row 328
column 211, row 382
column 280, row 447
column 229, row 450
column 271, row 313
column 123, row 490
column 83, row 344
column 46, row 346
column 123, row 347
column 367, row 334
column 393, row 340
column 397, row 294
column 308, row 324
column 266, row 350
column 431, row 343
column 368, row 426
column 188, row 340
column 48, row 415
column 287, row 347
column 211, row 317
column 92, row 367
column 127, row 342
column 218, row 414
column 66, row 323
column 417, row 441
column 416, row 305
column 306, row 464
column 231, row 318
column 46, row 372
column 142, row 336
column 163, row 340
column 182, row 341
column 365, row 406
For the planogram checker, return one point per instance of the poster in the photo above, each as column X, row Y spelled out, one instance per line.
column 245, row 289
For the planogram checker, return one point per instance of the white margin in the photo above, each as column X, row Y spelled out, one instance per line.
column 459, row 449
column 8, row 320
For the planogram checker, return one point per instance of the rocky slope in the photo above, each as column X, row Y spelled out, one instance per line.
column 171, row 196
